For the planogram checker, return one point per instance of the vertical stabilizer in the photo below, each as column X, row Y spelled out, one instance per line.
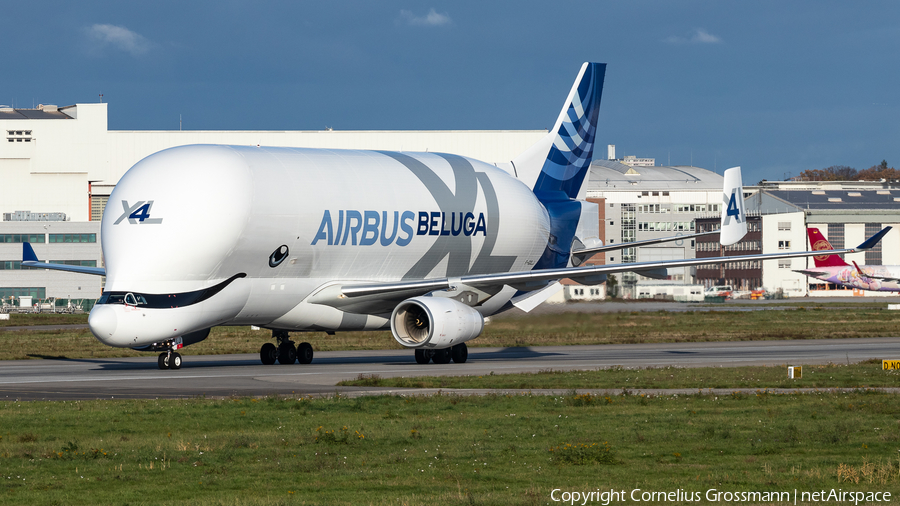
column 734, row 219
column 561, row 160
column 818, row 242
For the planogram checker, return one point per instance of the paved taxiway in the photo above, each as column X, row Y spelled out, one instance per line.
column 243, row 375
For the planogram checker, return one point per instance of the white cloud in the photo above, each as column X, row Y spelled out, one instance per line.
column 120, row 38
column 433, row 18
column 699, row 36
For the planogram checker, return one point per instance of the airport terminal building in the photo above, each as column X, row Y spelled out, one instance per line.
column 60, row 164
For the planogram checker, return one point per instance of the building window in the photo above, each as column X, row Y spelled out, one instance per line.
column 784, row 263
column 784, row 225
column 836, row 235
column 98, row 205
column 80, row 263
column 784, row 244
column 873, row 256
column 10, row 265
column 19, row 291
column 18, row 135
column 35, row 238
column 73, row 238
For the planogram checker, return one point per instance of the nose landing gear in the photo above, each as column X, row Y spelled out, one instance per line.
column 171, row 359
column 286, row 352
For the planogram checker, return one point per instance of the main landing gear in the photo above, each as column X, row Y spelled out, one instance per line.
column 458, row 354
column 286, row 352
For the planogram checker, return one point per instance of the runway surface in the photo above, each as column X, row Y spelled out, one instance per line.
column 244, row 375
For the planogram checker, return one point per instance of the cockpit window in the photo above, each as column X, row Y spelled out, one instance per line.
column 166, row 300
column 132, row 299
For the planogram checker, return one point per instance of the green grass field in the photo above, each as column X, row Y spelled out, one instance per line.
column 450, row 449
column 442, row 449
column 864, row 375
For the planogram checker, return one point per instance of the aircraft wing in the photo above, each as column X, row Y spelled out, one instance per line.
column 30, row 259
column 893, row 279
column 532, row 280
column 583, row 254
column 814, row 273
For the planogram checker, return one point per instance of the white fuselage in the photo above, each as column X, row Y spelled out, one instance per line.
column 870, row 279
column 285, row 223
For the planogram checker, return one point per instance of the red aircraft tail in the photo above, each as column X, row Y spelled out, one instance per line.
column 817, row 242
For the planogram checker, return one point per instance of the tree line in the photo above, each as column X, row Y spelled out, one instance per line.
column 844, row 173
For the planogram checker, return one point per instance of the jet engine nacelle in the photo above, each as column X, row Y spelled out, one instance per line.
column 434, row 322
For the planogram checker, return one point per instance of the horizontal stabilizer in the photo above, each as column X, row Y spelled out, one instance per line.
column 30, row 259
column 812, row 273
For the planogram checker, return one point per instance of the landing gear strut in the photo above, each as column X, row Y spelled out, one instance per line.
column 286, row 352
column 458, row 354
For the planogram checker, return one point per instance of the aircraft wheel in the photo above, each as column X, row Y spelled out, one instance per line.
column 175, row 361
column 287, row 353
column 441, row 356
column 163, row 361
column 421, row 357
column 304, row 353
column 460, row 353
column 268, row 353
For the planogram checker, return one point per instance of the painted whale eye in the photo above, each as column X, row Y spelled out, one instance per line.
column 278, row 256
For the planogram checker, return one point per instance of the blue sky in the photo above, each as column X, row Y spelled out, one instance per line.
column 776, row 87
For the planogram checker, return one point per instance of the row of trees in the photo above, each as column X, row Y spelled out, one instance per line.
column 844, row 173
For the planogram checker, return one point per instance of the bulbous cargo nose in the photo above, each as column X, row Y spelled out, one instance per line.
column 102, row 322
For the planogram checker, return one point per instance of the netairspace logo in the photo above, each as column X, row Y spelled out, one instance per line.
column 606, row 497
column 366, row 228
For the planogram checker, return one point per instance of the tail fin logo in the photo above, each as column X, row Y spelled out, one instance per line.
column 821, row 245
column 733, row 209
column 566, row 165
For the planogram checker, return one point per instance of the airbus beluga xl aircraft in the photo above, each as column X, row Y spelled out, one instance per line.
column 295, row 240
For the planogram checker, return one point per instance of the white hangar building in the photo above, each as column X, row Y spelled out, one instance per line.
column 645, row 201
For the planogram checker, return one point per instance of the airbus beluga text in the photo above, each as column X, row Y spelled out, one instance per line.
column 294, row 240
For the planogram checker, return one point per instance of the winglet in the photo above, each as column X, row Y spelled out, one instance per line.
column 734, row 219
column 28, row 254
column 30, row 259
column 872, row 241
